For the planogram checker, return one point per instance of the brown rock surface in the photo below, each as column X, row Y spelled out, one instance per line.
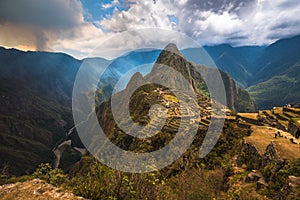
column 34, row 189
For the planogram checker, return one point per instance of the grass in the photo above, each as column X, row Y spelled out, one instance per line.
column 171, row 98
column 296, row 121
column 277, row 91
column 249, row 115
column 291, row 115
column 284, row 123
column 261, row 137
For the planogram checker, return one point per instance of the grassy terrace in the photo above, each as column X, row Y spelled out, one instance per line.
column 296, row 121
column 261, row 137
column 253, row 116
column 270, row 114
column 284, row 123
column 294, row 110
column 291, row 115
column 171, row 98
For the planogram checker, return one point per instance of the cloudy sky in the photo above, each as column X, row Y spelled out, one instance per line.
column 77, row 27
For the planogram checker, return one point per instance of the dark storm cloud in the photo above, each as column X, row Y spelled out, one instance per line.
column 49, row 14
column 40, row 18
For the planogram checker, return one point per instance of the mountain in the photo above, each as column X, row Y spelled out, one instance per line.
column 277, row 59
column 129, row 114
column 268, row 73
column 237, row 98
column 279, row 90
column 35, row 103
column 277, row 80
column 236, row 61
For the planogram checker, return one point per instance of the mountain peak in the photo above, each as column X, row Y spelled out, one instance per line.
column 172, row 48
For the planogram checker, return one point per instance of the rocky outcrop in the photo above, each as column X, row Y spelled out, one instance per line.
column 253, row 176
column 237, row 99
column 292, row 128
column 265, row 168
column 294, row 181
column 270, row 155
column 249, row 156
column 261, row 184
column 35, row 189
column 254, row 161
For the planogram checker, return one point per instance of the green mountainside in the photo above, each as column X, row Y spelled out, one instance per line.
column 279, row 90
column 277, row 82
column 149, row 94
column 237, row 99
column 267, row 72
column 36, row 90
column 247, row 162
column 35, row 98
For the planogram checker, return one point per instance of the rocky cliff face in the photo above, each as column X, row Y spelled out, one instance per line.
column 237, row 99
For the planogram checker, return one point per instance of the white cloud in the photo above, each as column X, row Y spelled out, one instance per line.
column 239, row 22
column 140, row 15
column 110, row 5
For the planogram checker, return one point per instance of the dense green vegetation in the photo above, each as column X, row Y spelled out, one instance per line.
column 266, row 93
column 188, row 177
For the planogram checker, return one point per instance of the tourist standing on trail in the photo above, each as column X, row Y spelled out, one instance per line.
column 298, row 132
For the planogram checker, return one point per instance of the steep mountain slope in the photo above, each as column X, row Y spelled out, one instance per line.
column 35, row 103
column 35, row 96
column 269, row 72
column 236, row 61
column 277, row 82
column 277, row 59
column 237, row 98
column 279, row 90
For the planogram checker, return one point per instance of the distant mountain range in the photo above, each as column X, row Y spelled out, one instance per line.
column 271, row 74
column 36, row 91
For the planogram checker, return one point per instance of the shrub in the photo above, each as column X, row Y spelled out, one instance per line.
column 53, row 176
